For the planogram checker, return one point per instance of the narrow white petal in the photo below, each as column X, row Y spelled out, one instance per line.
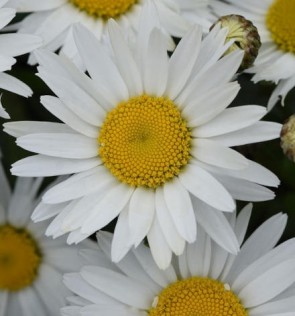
column 160, row 250
column 14, row 85
column 180, row 207
column 169, row 230
column 283, row 307
column 57, row 108
column 103, row 70
column 269, row 284
column 35, row 5
column 258, row 132
column 182, row 61
column 141, row 214
column 216, row 226
column 122, row 242
column 60, row 145
column 230, row 120
column 202, row 108
column 79, row 286
column 161, row 277
column 22, row 128
column 124, row 60
column 18, row 44
column 3, row 302
column 78, row 185
column 199, row 265
column 244, row 190
column 45, row 166
column 30, row 303
column 216, row 154
column 260, row 242
column 108, row 208
column 205, row 187
column 156, row 65
column 115, row 285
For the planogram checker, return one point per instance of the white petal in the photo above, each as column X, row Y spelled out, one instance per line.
column 182, row 61
column 199, row 264
column 259, row 243
column 78, row 185
column 102, row 69
column 216, row 226
column 244, row 190
column 115, row 285
column 108, row 208
column 169, row 230
column 205, row 187
column 161, row 277
column 258, row 132
column 216, row 154
column 14, row 85
column 35, row 5
column 30, row 303
column 18, row 44
column 76, row 98
column 268, row 284
column 124, row 60
column 57, row 108
column 122, row 242
column 60, row 145
column 155, row 66
column 22, row 128
column 230, row 120
column 40, row 166
column 202, row 108
column 50, row 288
column 159, row 248
column 3, row 302
column 180, row 207
column 141, row 214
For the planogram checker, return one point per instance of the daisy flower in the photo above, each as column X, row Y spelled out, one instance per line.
column 146, row 138
column 31, row 265
column 274, row 20
column 12, row 45
column 205, row 280
column 52, row 19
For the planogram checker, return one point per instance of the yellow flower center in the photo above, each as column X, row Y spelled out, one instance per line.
column 20, row 258
column 280, row 22
column 145, row 141
column 104, row 9
column 197, row 296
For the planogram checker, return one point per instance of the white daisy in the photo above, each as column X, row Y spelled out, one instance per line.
column 274, row 20
column 205, row 280
column 52, row 19
column 12, row 45
column 31, row 265
column 146, row 138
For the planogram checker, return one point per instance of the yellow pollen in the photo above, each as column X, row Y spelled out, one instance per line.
column 104, row 9
column 280, row 22
column 20, row 258
column 197, row 296
column 145, row 141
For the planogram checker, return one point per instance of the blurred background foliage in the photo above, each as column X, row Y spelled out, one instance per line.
column 269, row 154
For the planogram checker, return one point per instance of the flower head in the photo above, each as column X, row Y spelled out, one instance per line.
column 31, row 265
column 204, row 280
column 147, row 138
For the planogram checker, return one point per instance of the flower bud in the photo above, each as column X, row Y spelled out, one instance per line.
column 288, row 138
column 245, row 35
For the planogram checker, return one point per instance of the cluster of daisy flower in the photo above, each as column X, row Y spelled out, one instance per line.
column 149, row 209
